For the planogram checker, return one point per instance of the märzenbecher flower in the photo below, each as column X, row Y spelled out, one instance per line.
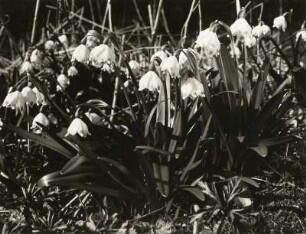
column 77, row 127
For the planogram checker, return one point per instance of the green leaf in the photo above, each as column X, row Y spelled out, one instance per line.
column 45, row 141
column 194, row 191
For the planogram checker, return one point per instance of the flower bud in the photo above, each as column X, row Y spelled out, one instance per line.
column 171, row 66
column 192, row 88
column 93, row 117
column 302, row 34
column 81, row 54
column 135, row 67
column 150, row 81
column 42, row 119
column 77, row 126
column 15, row 101
column 29, row 96
column 49, row 45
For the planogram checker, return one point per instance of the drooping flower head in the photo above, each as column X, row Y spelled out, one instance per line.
column 78, row 127
column 72, row 71
column 81, row 54
column 261, row 30
column 64, row 40
column 301, row 34
column 29, row 95
column 42, row 119
column 63, row 81
column 241, row 29
column 40, row 98
column 171, row 65
column 49, row 45
column 192, row 88
column 209, row 43
column 159, row 56
column 280, row 23
column 135, row 67
column 102, row 57
column 15, row 101
column 36, row 58
column 92, row 39
column 150, row 81
column 250, row 41
column 26, row 67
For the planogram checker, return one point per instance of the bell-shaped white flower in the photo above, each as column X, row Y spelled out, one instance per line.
column 64, row 40
column 171, row 65
column 261, row 30
column 42, row 119
column 40, row 98
column 244, row 201
column 78, row 127
column 160, row 55
column 29, row 95
column 192, row 88
column 49, row 45
column 63, row 81
column 100, row 55
column 250, row 41
column 15, row 101
column 72, row 71
column 209, row 43
column 150, row 81
column 183, row 60
column 26, row 67
column 93, row 117
column 81, row 54
column 241, row 29
column 236, row 52
column 36, row 58
column 301, row 33
column 280, row 23
column 135, row 67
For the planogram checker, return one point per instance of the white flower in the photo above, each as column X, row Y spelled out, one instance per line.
column 302, row 34
column 192, row 88
column 261, row 30
column 40, row 98
column 209, row 43
column 160, row 55
column 241, row 29
column 36, row 58
column 150, row 81
column 183, row 60
column 72, row 71
column 171, row 65
column 14, row 100
column 135, row 67
column 26, row 67
column 101, row 54
column 92, row 39
column 77, row 126
column 42, row 119
column 28, row 95
column 49, row 45
column 93, row 117
column 63, row 81
column 64, row 40
column 250, row 41
column 236, row 52
column 280, row 23
column 81, row 54
column 244, row 201
column 108, row 67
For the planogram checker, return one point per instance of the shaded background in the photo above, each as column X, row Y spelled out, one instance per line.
column 21, row 12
